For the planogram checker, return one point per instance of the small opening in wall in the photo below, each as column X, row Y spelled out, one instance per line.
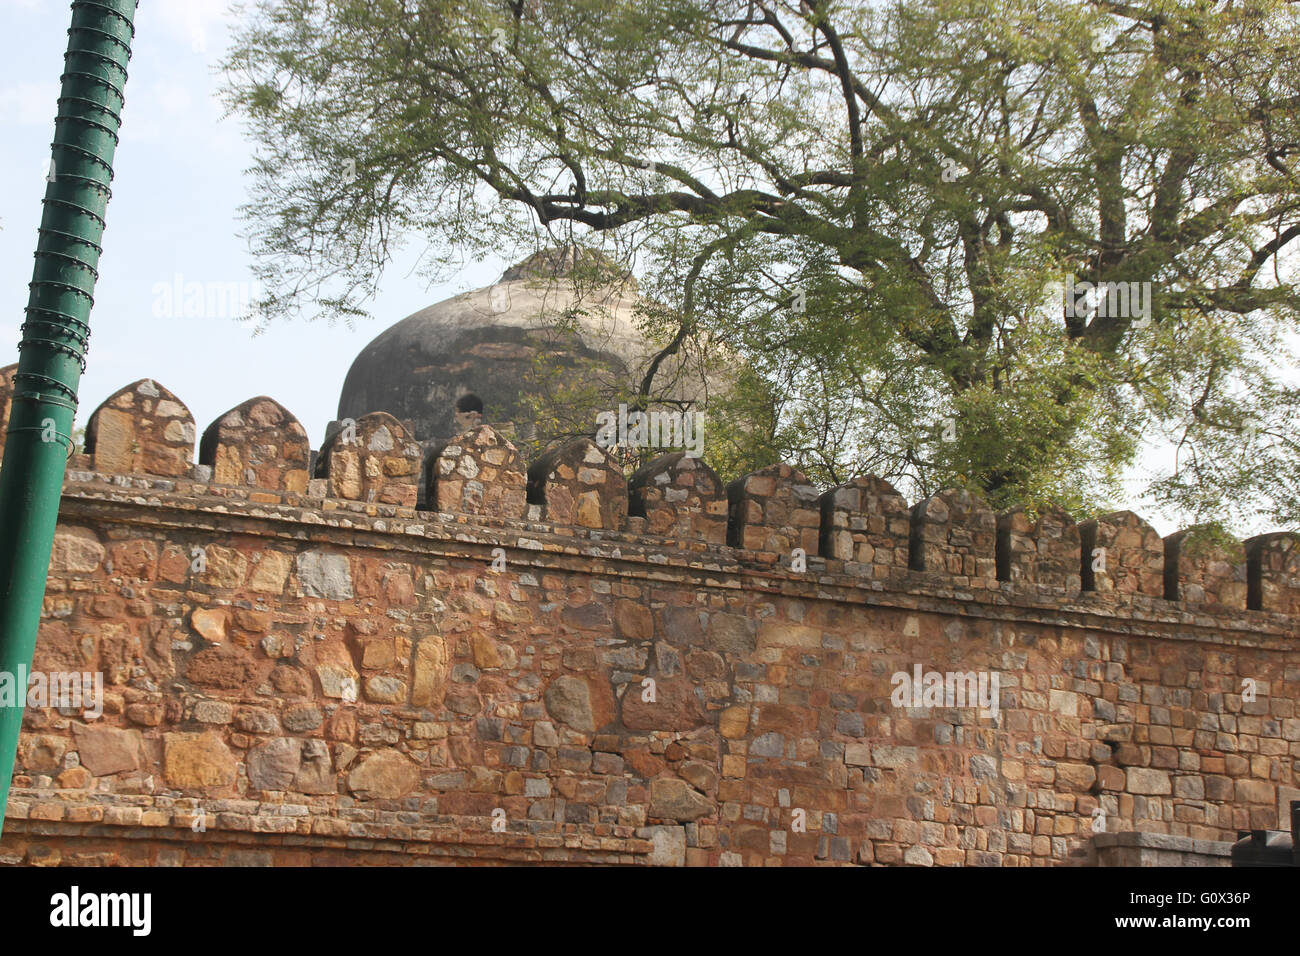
column 635, row 502
column 1173, row 547
column 915, row 553
column 469, row 402
column 1254, row 577
column 1002, row 551
column 826, row 532
column 1087, row 542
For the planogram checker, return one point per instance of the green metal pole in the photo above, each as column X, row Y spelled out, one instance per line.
column 53, row 346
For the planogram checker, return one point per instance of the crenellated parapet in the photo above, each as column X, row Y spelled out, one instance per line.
column 258, row 443
column 679, row 496
column 1273, row 573
column 553, row 664
column 775, row 509
column 1122, row 554
column 862, row 529
column 1039, row 551
column 373, row 459
column 141, row 428
column 1205, row 568
column 323, row 680
column 954, row 533
column 866, row 523
column 480, row 472
column 581, row 484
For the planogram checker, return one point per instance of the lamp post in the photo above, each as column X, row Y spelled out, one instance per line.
column 53, row 346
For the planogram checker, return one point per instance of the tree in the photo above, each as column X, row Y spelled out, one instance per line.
column 871, row 203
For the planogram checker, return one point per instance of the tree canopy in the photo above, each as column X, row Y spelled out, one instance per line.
column 892, row 211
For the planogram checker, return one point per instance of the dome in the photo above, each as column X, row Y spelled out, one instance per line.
column 558, row 331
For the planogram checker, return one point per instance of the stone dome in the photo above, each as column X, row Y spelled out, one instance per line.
column 559, row 322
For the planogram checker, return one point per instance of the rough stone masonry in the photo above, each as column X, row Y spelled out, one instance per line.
column 328, row 670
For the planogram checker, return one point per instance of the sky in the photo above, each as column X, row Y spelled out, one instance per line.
column 174, row 217
column 174, row 221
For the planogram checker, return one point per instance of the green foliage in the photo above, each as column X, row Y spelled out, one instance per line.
column 1206, row 539
column 863, row 202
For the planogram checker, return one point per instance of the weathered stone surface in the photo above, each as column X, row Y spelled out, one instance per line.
column 676, row 706
column 1078, row 777
column 385, row 775
column 76, row 551
column 225, row 667
column 302, row 719
column 257, row 721
column 106, row 750
column 568, row 700
column 371, row 459
column 210, row 623
column 270, row 572
column 142, row 428
column 336, row 672
column 732, row 634
column 1147, row 780
column 918, row 856
column 432, row 669
column 1122, row 554
column 477, row 473
column 274, row 765
column 197, row 761
column 954, row 536
column 1039, row 553
column 699, row 775
column 774, row 509
column 866, row 522
column 258, row 443
column 579, row 483
column 733, row 723
column 223, row 567
column 383, row 689
column 315, row 772
column 774, row 694
column 1205, row 567
column 324, row 575
column 669, row 845
column 674, row 800
column 487, row 654
column 41, row 753
column 680, row 496
column 291, row 681
column 1273, row 573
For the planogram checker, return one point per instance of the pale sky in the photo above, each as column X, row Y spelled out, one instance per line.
column 174, row 217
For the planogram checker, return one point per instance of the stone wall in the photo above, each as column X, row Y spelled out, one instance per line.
column 1157, row 849
column 296, row 677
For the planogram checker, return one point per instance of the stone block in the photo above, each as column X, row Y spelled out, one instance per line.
column 774, row 509
column 141, row 429
column 479, row 472
column 681, row 497
column 257, row 444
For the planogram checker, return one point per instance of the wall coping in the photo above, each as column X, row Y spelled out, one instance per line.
column 1162, row 841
